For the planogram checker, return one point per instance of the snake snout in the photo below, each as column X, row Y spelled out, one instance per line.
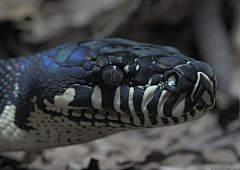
column 192, row 88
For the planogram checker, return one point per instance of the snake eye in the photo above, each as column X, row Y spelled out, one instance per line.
column 112, row 75
column 201, row 104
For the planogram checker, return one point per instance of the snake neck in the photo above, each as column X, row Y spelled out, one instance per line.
column 17, row 82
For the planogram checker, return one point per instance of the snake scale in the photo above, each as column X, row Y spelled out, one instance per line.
column 81, row 91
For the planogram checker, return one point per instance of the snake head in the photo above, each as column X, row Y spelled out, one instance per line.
column 81, row 91
column 130, row 84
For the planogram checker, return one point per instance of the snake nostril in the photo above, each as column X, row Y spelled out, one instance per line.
column 170, row 78
column 201, row 104
column 112, row 75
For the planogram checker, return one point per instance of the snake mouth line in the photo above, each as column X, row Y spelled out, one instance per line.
column 118, row 120
column 90, row 114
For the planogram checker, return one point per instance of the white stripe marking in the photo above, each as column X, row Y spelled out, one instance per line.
column 210, row 83
column 65, row 99
column 126, row 69
column 116, row 104
column 149, row 82
column 164, row 96
column 117, row 100
column 136, row 119
column 179, row 106
column 130, row 101
column 96, row 98
column 137, row 67
column 147, row 97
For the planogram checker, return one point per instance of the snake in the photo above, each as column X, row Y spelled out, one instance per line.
column 82, row 91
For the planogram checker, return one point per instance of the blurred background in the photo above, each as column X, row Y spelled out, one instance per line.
column 207, row 30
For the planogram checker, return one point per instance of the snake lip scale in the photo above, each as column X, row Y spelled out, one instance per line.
column 81, row 91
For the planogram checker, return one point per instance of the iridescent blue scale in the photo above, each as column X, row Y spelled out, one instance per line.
column 42, row 77
column 77, row 72
column 64, row 84
column 54, row 85
column 47, row 61
column 88, row 65
column 73, row 80
column 78, row 57
column 94, row 54
column 64, row 53
column 51, row 78
column 53, row 52
column 112, row 49
column 52, row 68
column 63, row 74
column 94, row 44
